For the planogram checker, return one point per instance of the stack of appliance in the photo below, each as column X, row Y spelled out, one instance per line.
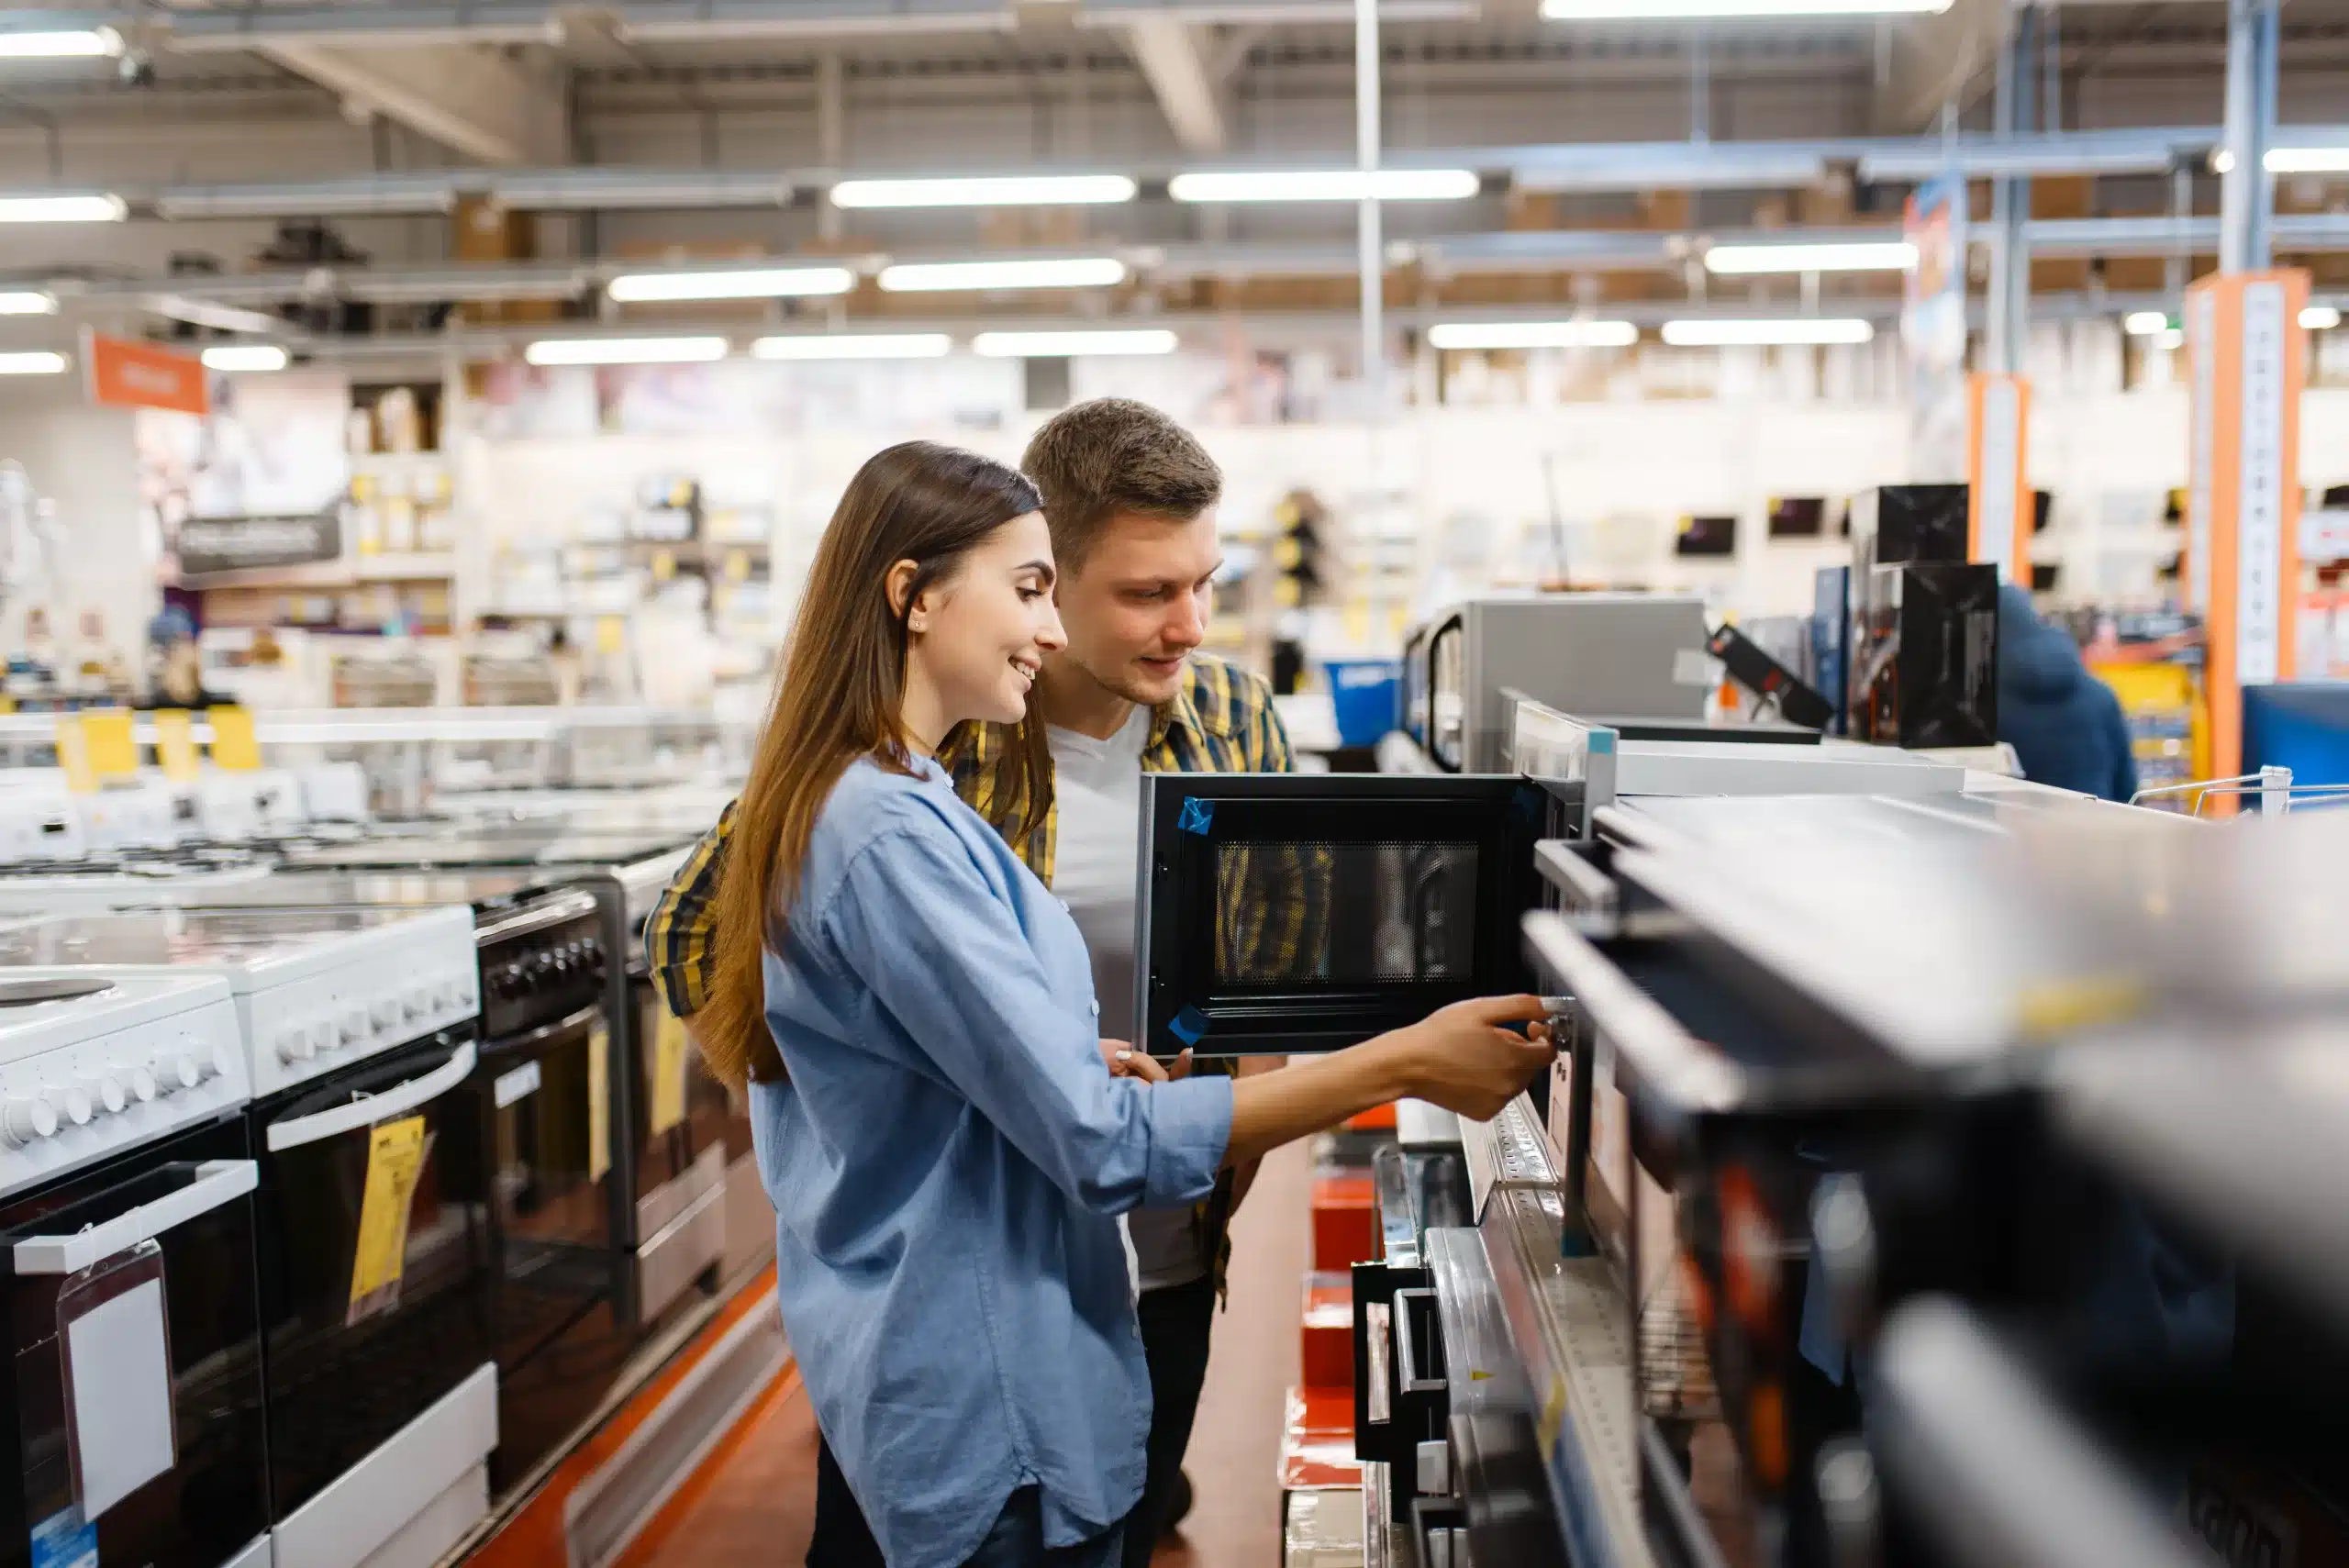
column 1920, row 655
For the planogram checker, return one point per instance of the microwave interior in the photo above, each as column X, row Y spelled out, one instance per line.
column 1290, row 913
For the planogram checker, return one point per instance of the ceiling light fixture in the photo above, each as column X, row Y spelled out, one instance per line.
column 1010, row 190
column 1072, row 272
column 246, row 356
column 80, row 208
column 1701, row 333
column 2145, row 323
column 625, row 351
column 2320, row 318
column 854, row 346
column 1864, row 256
column 763, row 283
column 60, row 43
column 1060, row 345
column 1324, row 186
column 1534, row 335
column 2301, row 161
column 27, row 301
column 39, row 363
column 1691, row 10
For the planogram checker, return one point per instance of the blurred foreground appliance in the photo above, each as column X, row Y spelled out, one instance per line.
column 132, row 1384
column 1632, row 655
column 1925, row 657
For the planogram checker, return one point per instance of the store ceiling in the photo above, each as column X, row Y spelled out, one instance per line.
column 283, row 96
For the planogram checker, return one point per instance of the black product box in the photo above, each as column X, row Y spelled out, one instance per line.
column 1830, row 635
column 1925, row 656
column 1896, row 524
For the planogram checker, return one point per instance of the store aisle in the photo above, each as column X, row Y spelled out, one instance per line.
column 754, row 1503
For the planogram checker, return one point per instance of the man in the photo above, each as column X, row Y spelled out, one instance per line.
column 1130, row 499
column 2066, row 725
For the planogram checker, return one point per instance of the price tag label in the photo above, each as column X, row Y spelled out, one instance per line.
column 234, row 746
column 664, row 566
column 175, row 744
column 73, row 755
column 599, row 1102
column 611, row 634
column 667, row 1096
column 396, row 1154
column 113, row 753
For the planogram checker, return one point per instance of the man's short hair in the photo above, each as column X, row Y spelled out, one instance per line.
column 1095, row 460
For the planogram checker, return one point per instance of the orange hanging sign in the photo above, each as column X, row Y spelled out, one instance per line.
column 123, row 373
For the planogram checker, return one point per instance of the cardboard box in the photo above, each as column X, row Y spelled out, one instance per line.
column 1925, row 655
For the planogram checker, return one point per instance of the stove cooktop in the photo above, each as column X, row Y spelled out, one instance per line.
column 522, row 845
column 241, row 942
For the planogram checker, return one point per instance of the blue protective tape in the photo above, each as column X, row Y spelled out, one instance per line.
column 1187, row 1026
column 1198, row 816
column 63, row 1540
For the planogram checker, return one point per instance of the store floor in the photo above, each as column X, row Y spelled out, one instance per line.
column 752, row 1502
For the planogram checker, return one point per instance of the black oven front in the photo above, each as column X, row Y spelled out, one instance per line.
column 146, row 1260
column 1288, row 913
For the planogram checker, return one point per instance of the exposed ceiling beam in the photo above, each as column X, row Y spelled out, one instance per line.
column 1181, row 79
column 1931, row 60
column 469, row 97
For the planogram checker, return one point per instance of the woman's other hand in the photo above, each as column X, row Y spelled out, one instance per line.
column 1466, row 1059
column 1125, row 1061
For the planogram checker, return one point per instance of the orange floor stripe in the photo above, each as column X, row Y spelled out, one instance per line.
column 642, row 1552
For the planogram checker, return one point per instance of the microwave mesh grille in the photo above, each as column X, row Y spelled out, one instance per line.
column 1300, row 913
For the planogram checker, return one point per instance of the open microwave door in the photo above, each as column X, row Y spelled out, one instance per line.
column 1288, row 913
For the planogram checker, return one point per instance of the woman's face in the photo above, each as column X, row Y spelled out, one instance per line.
column 983, row 633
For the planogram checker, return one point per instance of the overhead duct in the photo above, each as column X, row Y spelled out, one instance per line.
column 532, row 190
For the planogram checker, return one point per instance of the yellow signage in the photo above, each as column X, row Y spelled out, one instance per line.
column 73, row 755
column 667, row 1096
column 395, row 1151
column 113, row 753
column 234, row 746
column 175, row 744
column 599, row 1102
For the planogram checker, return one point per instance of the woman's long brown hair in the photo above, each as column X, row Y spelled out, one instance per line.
column 840, row 697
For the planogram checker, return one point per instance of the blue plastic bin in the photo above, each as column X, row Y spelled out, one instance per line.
column 1364, row 692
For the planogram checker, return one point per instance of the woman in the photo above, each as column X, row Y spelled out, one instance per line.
column 913, row 1012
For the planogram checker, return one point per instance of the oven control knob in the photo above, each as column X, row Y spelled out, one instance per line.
column 27, row 1119
column 220, row 1061
column 106, row 1092
column 354, row 1025
column 295, row 1046
column 72, row 1103
column 139, row 1082
column 386, row 1011
column 418, row 1002
column 176, row 1070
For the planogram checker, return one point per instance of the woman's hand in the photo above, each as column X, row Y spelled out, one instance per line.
column 1466, row 1060
column 1125, row 1061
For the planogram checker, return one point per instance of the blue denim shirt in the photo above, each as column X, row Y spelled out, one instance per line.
column 946, row 1159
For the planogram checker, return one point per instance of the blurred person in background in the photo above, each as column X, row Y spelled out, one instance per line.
column 2065, row 726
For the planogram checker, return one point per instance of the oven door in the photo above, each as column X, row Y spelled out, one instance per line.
column 1286, row 912
column 678, row 1119
column 376, row 1282
column 1448, row 697
column 135, row 1365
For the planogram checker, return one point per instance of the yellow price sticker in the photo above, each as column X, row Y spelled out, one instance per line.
column 234, row 745
column 113, row 753
column 611, row 634
column 666, row 1092
column 73, row 755
column 599, row 1101
column 664, row 565
column 396, row 1154
column 175, row 744
column 738, row 566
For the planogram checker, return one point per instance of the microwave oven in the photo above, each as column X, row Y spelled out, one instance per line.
column 1603, row 655
column 1289, row 913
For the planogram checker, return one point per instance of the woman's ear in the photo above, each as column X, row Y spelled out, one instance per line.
column 899, row 585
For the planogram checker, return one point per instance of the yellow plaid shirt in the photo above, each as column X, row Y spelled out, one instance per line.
column 1221, row 721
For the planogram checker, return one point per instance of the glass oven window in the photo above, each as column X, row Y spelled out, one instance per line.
column 550, row 1144
column 1448, row 696
column 213, row 1502
column 341, row 1382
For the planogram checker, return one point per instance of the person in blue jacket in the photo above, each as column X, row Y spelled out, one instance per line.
column 2066, row 725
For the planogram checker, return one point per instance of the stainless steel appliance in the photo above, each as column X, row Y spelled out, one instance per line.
column 359, row 1036
column 1285, row 913
column 1607, row 654
column 132, row 1386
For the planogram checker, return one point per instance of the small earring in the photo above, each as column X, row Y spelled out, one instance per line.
column 916, row 626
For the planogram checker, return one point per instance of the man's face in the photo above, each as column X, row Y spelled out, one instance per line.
column 1139, row 603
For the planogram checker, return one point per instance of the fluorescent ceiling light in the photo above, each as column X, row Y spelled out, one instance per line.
column 1866, row 256
column 86, row 208
column 766, row 283
column 1059, row 345
column 64, row 43
column 624, row 351
column 2174, row 338
column 1682, row 10
column 1073, row 272
column 2144, row 323
column 245, row 357
column 1534, row 335
column 27, row 301
column 2298, row 161
column 1702, row 333
column 1014, row 190
column 1323, row 185
column 2320, row 319
column 854, row 346
column 36, row 364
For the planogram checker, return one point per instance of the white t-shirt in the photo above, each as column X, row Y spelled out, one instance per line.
column 1097, row 785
